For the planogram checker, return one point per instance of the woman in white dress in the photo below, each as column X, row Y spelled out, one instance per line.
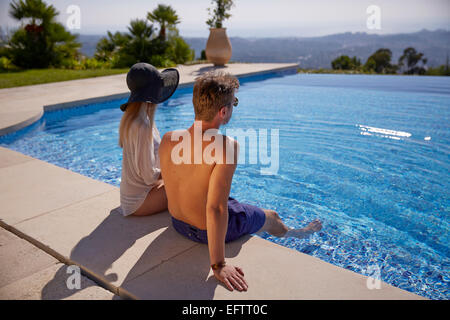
column 141, row 188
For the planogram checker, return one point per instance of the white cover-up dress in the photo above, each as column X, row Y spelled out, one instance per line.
column 140, row 163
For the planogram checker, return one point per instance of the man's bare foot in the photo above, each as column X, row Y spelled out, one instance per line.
column 312, row 227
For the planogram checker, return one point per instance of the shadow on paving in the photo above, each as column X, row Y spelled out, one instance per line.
column 171, row 267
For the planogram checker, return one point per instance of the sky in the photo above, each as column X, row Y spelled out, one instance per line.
column 260, row 18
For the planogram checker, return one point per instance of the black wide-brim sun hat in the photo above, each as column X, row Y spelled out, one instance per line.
column 147, row 84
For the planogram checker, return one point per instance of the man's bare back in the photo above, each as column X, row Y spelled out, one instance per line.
column 187, row 184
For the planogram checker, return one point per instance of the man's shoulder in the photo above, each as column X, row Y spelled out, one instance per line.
column 230, row 142
column 227, row 142
column 230, row 150
column 174, row 135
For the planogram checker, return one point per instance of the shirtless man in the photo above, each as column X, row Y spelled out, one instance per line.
column 198, row 189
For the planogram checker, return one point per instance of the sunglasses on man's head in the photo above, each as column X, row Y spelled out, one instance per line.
column 236, row 102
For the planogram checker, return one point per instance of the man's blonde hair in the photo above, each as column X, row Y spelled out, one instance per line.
column 212, row 91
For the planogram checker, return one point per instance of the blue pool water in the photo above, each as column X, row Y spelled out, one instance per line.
column 383, row 196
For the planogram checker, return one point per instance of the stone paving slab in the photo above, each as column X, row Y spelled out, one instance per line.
column 92, row 233
column 51, row 284
column 27, row 272
column 9, row 158
column 272, row 272
column 20, row 259
column 33, row 187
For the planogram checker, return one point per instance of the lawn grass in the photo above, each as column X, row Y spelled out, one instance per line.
column 36, row 76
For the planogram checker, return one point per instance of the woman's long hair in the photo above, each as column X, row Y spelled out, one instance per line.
column 130, row 114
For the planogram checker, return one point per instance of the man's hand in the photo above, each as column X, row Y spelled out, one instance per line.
column 232, row 277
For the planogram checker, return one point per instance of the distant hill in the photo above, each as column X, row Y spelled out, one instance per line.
column 89, row 43
column 318, row 52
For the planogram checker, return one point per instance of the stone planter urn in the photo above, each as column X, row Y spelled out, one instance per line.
column 218, row 47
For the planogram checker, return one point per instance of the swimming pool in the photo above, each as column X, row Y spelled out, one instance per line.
column 368, row 155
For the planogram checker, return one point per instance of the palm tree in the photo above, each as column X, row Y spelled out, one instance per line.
column 34, row 10
column 42, row 41
column 109, row 45
column 140, row 44
column 140, row 29
column 165, row 16
column 125, row 49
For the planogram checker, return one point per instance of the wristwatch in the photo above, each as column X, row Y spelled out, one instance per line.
column 218, row 265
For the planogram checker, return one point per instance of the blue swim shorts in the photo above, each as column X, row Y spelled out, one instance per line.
column 242, row 219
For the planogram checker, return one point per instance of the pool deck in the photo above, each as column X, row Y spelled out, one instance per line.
column 51, row 217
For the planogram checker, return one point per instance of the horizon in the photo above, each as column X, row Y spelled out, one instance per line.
column 281, row 19
column 301, row 37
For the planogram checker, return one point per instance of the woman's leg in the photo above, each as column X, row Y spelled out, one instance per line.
column 156, row 201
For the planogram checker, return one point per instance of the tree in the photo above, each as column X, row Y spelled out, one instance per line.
column 165, row 16
column 3, row 43
column 3, row 37
column 412, row 58
column 179, row 51
column 34, row 10
column 141, row 44
column 110, row 45
column 203, row 55
column 42, row 42
column 345, row 63
column 219, row 13
column 380, row 62
column 126, row 49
